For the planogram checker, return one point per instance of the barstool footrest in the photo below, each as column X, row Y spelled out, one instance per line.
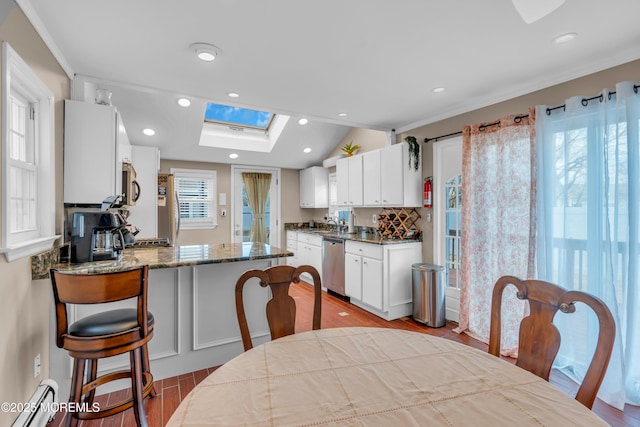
column 123, row 405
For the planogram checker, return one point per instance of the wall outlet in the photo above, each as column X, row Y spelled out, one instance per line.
column 36, row 366
column 374, row 219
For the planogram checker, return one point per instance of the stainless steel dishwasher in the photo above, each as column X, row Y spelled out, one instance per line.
column 333, row 264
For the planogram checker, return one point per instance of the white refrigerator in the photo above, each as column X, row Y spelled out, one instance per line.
column 168, row 214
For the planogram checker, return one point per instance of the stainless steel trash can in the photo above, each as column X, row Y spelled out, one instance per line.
column 428, row 294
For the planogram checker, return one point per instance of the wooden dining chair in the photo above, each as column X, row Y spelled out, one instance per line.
column 281, row 308
column 105, row 334
column 539, row 339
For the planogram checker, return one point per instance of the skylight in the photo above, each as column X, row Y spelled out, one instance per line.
column 240, row 118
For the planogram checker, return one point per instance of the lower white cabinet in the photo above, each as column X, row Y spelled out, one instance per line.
column 363, row 273
column 378, row 277
column 292, row 246
column 308, row 251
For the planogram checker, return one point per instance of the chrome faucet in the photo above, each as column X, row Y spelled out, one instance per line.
column 338, row 226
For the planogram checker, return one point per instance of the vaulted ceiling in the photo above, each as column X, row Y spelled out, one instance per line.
column 378, row 61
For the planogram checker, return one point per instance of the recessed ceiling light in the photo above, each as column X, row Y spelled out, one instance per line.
column 233, row 156
column 303, row 121
column 438, row 89
column 232, row 94
column 149, row 131
column 205, row 51
column 342, row 114
column 307, row 150
column 564, row 38
column 184, row 102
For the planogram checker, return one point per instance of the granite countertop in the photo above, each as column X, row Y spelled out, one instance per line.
column 178, row 256
column 364, row 237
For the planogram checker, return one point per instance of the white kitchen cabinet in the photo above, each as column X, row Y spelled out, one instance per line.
column 94, row 143
column 380, row 177
column 292, row 246
column 378, row 277
column 388, row 179
column 363, row 272
column 392, row 173
column 309, row 252
column 372, row 282
column 144, row 214
column 353, row 275
column 350, row 181
column 372, row 180
column 314, row 187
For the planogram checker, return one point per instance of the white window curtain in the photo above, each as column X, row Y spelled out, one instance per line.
column 497, row 224
column 588, row 196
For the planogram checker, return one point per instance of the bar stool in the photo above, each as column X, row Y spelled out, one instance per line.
column 105, row 334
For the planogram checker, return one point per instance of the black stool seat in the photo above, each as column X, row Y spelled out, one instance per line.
column 107, row 322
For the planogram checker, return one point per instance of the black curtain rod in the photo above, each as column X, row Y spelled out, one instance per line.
column 442, row 136
column 585, row 101
column 516, row 119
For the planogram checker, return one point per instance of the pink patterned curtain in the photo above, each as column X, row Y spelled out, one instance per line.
column 498, row 234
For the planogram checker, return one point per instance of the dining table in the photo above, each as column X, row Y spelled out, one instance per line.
column 363, row 376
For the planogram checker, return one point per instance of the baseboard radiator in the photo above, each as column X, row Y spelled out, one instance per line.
column 41, row 408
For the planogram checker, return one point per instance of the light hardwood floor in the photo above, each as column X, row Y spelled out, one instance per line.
column 335, row 313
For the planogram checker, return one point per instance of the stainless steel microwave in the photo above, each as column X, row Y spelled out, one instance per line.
column 130, row 187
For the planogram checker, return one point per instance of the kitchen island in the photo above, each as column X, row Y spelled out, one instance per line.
column 192, row 298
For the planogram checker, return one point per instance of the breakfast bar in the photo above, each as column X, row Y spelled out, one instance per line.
column 191, row 295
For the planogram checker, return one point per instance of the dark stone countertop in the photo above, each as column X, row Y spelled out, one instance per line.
column 176, row 256
column 364, row 237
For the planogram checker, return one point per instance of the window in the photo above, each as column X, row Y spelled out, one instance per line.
column 453, row 210
column 28, row 207
column 238, row 118
column 197, row 197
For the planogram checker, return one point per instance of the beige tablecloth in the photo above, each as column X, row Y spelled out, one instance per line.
column 375, row 377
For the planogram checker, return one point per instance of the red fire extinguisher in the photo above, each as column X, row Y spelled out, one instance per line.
column 427, row 193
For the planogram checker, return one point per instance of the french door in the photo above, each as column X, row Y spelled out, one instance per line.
column 447, row 205
column 241, row 214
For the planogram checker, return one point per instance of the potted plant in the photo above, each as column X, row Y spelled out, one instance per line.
column 414, row 151
column 350, row 148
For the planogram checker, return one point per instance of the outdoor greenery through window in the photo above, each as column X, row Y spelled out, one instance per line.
column 240, row 118
column 197, row 197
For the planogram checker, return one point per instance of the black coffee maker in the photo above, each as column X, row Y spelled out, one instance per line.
column 96, row 236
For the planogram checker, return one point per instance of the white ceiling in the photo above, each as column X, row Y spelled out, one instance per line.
column 376, row 60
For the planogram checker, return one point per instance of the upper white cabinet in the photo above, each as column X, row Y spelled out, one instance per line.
column 392, row 174
column 314, row 187
column 349, row 179
column 95, row 143
column 144, row 215
column 371, row 178
column 386, row 179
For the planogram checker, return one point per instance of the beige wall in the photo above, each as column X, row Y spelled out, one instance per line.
column 369, row 140
column 289, row 194
column 24, row 305
column 555, row 95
